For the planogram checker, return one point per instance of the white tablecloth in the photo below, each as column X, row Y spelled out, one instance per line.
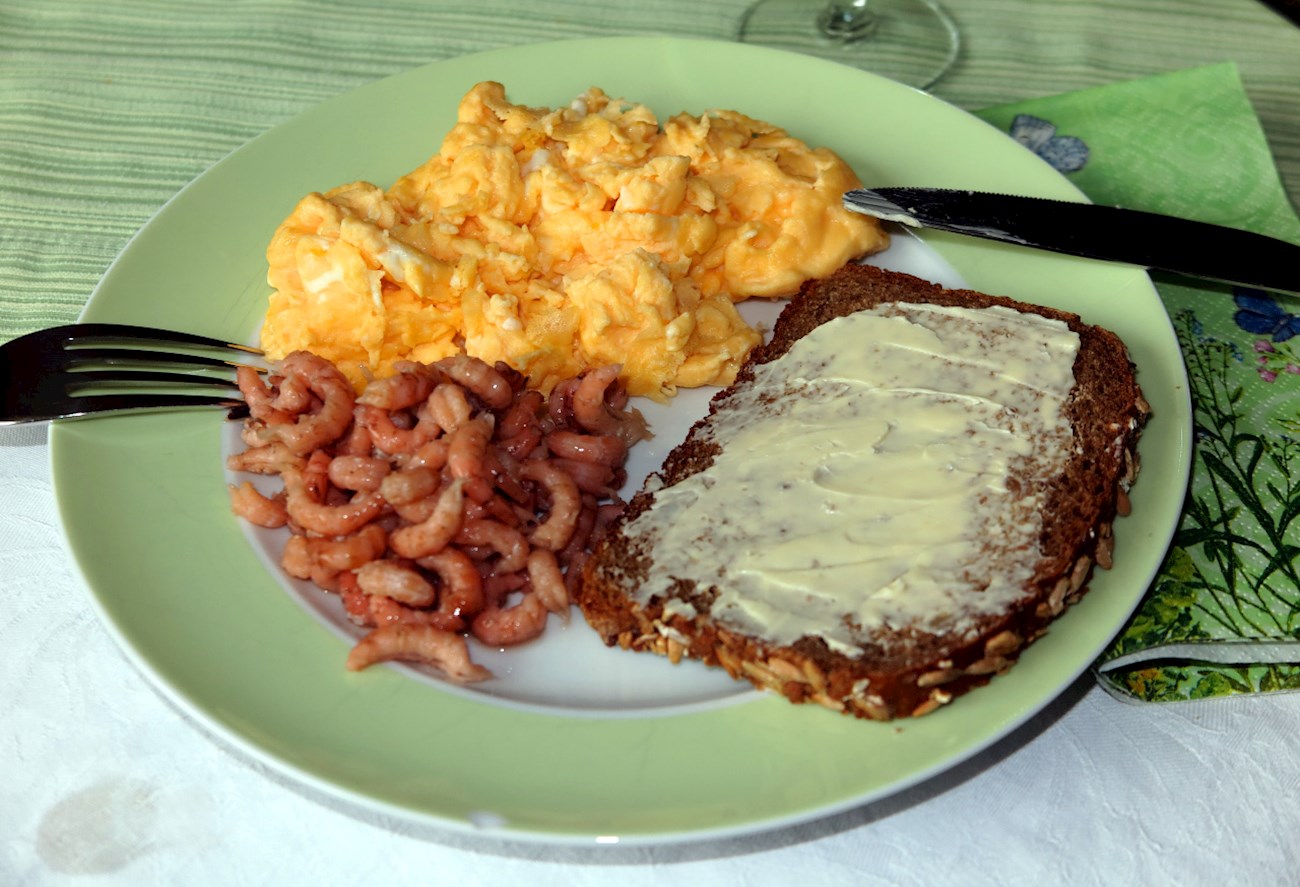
column 104, row 782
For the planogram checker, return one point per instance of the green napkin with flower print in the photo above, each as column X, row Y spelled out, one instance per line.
column 1223, row 615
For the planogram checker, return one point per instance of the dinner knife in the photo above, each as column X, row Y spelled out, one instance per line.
column 1135, row 237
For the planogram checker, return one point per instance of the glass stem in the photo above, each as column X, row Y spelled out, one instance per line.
column 848, row 21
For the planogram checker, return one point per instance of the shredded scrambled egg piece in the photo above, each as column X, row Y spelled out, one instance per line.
column 557, row 240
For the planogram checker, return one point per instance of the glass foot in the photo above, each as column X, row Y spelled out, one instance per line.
column 912, row 41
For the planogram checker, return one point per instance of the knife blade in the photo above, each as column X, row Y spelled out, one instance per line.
column 1112, row 233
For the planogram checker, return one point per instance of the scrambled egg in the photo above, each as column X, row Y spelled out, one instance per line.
column 557, row 240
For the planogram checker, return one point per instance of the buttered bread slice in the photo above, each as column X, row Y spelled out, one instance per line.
column 899, row 492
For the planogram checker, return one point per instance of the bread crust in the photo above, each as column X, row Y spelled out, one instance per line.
column 912, row 672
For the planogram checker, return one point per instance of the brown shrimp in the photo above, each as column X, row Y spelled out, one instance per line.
column 411, row 384
column 428, row 455
column 356, row 603
column 522, row 416
column 522, row 445
column 328, row 520
column 504, row 471
column 501, row 509
column 507, row 626
column 449, row 498
column 595, row 478
column 358, row 472
column 356, row 441
column 296, row 558
column 566, row 504
column 293, row 397
column 273, row 458
column 604, row 449
column 583, row 533
column 489, row 385
column 396, row 580
column 316, row 475
column 348, row 552
column 327, row 562
column 410, row 485
column 378, row 609
column 460, row 596
column 559, row 405
column 416, row 512
column 595, row 407
column 548, row 582
column 466, row 454
column 383, row 610
column 606, row 514
column 448, row 406
column 254, row 434
column 311, row 430
column 426, row 644
column 498, row 586
column 247, row 501
column 260, row 397
column 507, row 542
column 387, row 437
column 434, row 533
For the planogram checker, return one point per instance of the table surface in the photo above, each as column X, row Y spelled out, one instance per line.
column 105, row 782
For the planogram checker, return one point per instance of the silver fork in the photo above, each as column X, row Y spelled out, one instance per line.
column 85, row 369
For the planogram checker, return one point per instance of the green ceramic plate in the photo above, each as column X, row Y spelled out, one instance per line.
column 144, row 504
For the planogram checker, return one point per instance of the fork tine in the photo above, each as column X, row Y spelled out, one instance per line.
column 120, row 332
column 48, row 347
column 76, row 407
column 64, row 407
column 74, row 357
column 84, row 379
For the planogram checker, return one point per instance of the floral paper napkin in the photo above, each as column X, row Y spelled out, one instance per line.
column 1223, row 615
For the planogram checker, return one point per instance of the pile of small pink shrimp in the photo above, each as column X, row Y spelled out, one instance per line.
column 446, row 500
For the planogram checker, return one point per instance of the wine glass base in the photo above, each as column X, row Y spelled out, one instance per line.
column 912, row 41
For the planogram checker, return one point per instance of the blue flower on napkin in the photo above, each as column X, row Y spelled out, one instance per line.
column 1064, row 153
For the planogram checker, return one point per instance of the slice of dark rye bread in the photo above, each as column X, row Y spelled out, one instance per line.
column 910, row 672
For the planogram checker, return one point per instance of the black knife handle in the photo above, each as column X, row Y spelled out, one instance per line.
column 1113, row 233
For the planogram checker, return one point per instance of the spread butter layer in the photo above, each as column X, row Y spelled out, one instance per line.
column 885, row 473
